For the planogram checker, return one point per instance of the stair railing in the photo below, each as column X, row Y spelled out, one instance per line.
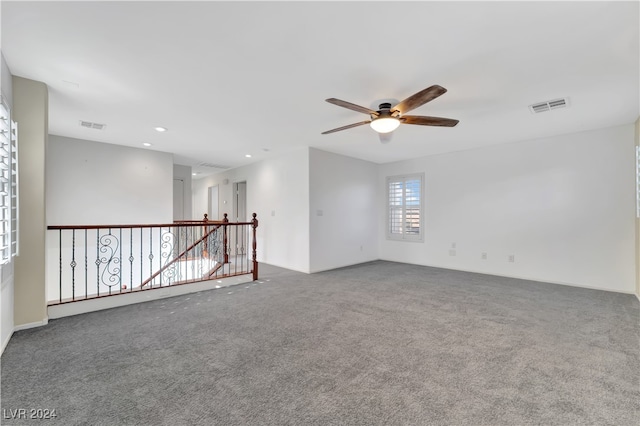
column 86, row 262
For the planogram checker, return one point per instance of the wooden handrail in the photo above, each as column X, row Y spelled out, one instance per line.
column 160, row 225
column 204, row 238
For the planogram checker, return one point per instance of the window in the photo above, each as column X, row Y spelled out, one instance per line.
column 8, row 185
column 404, row 201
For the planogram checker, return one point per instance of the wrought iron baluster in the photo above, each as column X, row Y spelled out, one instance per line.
column 177, row 231
column 141, row 258
column 120, row 262
column 131, row 259
column 86, row 266
column 160, row 250
column 151, row 254
column 105, row 268
column 191, row 264
column 170, row 267
column 188, row 240
column 111, row 247
column 238, row 248
column 183, row 235
column 219, row 254
column 73, row 264
column 60, row 269
column 177, row 250
column 98, row 262
column 246, row 244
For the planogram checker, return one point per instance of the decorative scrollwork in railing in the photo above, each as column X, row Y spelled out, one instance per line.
column 214, row 244
column 111, row 272
column 170, row 272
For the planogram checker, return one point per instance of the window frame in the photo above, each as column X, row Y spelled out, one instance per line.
column 8, row 184
column 404, row 235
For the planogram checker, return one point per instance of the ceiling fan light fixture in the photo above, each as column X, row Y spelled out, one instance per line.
column 385, row 124
column 388, row 118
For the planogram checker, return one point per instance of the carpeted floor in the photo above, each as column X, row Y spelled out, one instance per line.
column 376, row 344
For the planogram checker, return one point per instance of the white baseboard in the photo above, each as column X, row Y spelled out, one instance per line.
column 6, row 342
column 27, row 326
column 518, row 277
column 98, row 304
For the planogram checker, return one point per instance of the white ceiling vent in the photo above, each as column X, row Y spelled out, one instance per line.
column 549, row 105
column 90, row 125
column 213, row 166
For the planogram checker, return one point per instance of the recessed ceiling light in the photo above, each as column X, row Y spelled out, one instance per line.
column 248, row 155
column 146, row 144
column 194, row 174
column 160, row 129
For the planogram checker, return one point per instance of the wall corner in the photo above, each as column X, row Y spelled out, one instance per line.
column 30, row 110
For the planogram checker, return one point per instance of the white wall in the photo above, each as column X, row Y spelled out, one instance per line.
column 91, row 183
column 343, row 210
column 6, row 304
column 563, row 206
column 278, row 191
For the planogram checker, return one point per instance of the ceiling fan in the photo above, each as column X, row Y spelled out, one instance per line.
column 388, row 118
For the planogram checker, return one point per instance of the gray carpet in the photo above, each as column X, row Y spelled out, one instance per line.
column 376, row 344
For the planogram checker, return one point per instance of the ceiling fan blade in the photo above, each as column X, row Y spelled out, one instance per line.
column 420, row 98
column 428, row 121
column 351, row 106
column 346, row 127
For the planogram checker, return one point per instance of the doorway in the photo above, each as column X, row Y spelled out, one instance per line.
column 240, row 201
column 214, row 213
column 237, row 236
column 178, row 199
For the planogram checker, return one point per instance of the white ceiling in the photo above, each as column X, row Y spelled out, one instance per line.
column 229, row 79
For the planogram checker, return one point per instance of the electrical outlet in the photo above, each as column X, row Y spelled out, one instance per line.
column 453, row 245
column 484, row 256
column 512, row 258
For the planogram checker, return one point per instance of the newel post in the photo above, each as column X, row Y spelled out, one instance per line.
column 225, row 221
column 254, row 225
column 205, row 230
